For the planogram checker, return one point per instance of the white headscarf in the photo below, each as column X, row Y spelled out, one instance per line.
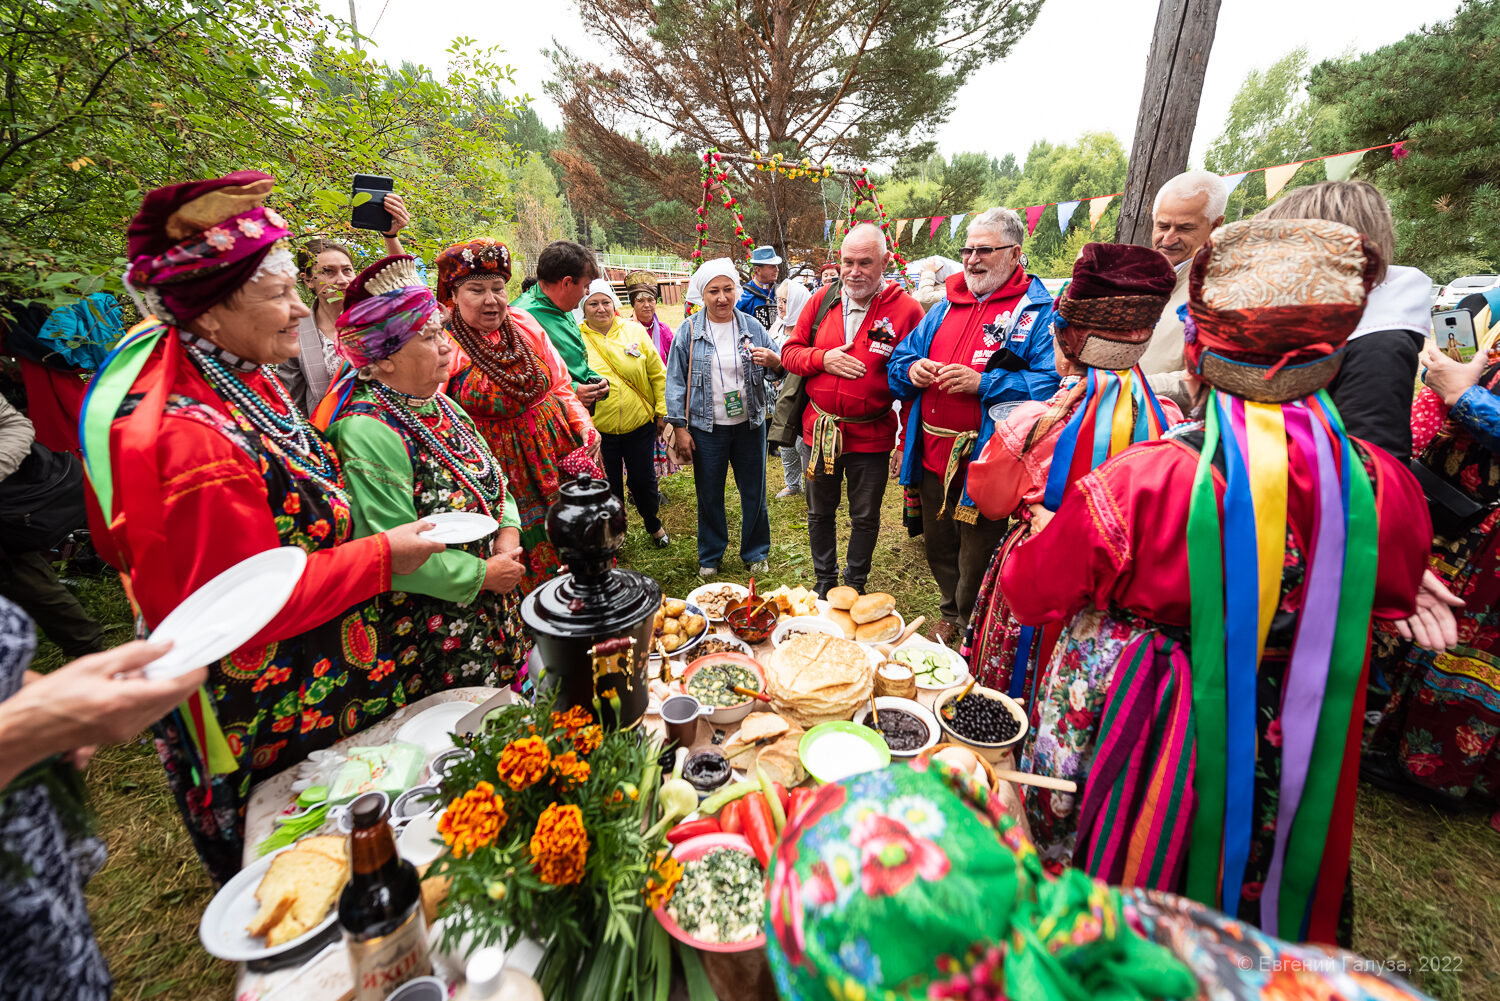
column 601, row 286
column 709, row 271
column 797, row 297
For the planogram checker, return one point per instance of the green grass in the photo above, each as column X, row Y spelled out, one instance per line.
column 1427, row 883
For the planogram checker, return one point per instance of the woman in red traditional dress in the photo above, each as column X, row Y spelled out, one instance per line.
column 1219, row 587
column 198, row 459
column 513, row 384
column 1100, row 329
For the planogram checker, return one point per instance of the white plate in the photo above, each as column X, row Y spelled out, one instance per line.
column 688, row 646
column 454, row 528
column 224, row 614
column 432, row 729
column 222, row 929
column 959, row 664
column 740, row 591
column 420, row 842
column 740, row 646
column 806, row 623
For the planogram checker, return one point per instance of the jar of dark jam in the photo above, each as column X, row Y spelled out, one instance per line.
column 706, row 770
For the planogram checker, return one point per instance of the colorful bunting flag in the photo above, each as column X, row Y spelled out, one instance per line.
column 1065, row 215
column 1276, row 178
column 1034, row 216
column 1341, row 168
column 1097, row 207
column 937, row 221
column 1233, row 181
column 953, row 225
column 900, row 225
column 916, row 226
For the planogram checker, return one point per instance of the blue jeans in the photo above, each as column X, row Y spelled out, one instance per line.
column 744, row 448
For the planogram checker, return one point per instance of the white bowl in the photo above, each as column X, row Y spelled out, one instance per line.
column 993, row 753
column 927, row 692
column 806, row 623
column 420, row 842
column 884, row 702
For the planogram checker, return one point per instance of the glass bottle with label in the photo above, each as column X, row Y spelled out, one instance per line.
column 380, row 910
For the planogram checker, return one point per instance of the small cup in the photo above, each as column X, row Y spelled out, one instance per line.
column 680, row 714
column 420, row 989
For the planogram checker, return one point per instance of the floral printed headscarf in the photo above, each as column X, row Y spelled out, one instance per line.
column 911, row 882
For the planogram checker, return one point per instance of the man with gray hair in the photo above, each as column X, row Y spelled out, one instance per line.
column 1187, row 209
column 989, row 341
column 840, row 346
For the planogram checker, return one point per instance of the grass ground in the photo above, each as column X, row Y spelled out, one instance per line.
column 1427, row 883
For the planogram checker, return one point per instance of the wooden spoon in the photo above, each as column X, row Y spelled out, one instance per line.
column 1040, row 781
column 750, row 692
column 887, row 649
column 874, row 712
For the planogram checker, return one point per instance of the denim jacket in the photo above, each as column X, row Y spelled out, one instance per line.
column 693, row 336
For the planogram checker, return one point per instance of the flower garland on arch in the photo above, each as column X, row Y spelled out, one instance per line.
column 714, row 171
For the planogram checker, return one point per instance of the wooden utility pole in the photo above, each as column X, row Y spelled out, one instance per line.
column 1169, row 108
column 354, row 25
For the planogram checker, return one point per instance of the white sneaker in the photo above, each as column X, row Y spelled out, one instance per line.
column 760, row 566
column 708, row 572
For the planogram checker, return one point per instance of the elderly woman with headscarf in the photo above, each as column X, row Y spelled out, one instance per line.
column 515, row 386
column 1218, row 588
column 716, row 399
column 791, row 297
column 632, row 414
column 409, row 452
column 199, row 459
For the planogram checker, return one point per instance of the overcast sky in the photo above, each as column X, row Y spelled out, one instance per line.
column 1046, row 97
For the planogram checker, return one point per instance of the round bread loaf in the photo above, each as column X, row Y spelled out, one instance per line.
column 841, row 619
column 869, row 607
column 880, row 630
column 842, row 597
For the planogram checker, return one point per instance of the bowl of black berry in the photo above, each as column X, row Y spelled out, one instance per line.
column 989, row 722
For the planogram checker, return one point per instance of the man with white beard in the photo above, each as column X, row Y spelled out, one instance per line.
column 989, row 341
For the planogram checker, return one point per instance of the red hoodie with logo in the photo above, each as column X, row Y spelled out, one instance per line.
column 892, row 315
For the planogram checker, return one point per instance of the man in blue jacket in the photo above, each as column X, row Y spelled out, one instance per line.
column 988, row 341
column 758, row 299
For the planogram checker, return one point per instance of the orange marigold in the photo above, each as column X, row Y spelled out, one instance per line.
column 666, row 873
column 523, row 762
column 588, row 739
column 473, row 820
column 560, row 846
column 570, row 770
column 572, row 720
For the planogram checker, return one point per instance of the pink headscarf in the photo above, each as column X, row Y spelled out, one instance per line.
column 381, row 325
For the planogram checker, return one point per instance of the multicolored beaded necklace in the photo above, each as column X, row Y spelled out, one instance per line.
column 470, row 463
column 298, row 440
column 511, row 365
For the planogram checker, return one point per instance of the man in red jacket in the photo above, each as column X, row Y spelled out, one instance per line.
column 849, row 421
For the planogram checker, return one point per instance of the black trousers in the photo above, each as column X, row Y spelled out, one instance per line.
column 636, row 452
column 958, row 553
column 29, row 580
column 867, row 474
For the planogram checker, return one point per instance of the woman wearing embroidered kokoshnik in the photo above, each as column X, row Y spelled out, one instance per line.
column 409, row 452
column 199, row 459
column 514, row 385
column 1102, row 325
column 1296, row 537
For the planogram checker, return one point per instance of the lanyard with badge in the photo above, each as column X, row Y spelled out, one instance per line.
column 734, row 400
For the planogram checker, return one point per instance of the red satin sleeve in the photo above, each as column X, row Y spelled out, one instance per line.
column 1405, row 535
column 216, row 514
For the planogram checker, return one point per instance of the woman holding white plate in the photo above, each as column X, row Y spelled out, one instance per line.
column 410, row 452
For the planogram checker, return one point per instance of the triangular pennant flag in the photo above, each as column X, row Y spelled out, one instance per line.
column 1276, row 178
column 1097, row 207
column 937, row 221
column 953, row 225
column 827, row 225
column 1233, row 181
column 1065, row 215
column 1341, row 167
column 916, row 226
column 900, row 225
column 1034, row 216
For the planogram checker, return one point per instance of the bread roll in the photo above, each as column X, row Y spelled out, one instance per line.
column 842, row 597
column 870, row 607
column 880, row 630
column 843, row 621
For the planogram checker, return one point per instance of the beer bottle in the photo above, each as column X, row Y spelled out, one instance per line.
column 380, row 910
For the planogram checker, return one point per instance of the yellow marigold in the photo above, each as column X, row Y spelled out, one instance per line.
column 570, row 770
column 588, row 739
column 473, row 820
column 573, row 720
column 560, row 846
column 523, row 762
column 666, row 873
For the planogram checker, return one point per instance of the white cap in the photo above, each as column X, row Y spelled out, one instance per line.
column 483, row 972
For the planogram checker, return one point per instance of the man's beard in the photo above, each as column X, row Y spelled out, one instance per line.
column 982, row 285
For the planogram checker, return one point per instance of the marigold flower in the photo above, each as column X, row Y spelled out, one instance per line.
column 570, row 770
column 588, row 739
column 666, row 873
column 573, row 720
column 560, row 846
column 473, row 820
column 523, row 762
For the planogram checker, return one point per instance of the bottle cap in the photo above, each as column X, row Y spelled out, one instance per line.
column 483, row 972
column 369, row 809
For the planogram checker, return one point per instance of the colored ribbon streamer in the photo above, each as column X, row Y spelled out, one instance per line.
column 1109, row 419
column 1266, row 458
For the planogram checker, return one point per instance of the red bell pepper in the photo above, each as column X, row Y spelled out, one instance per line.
column 782, row 795
column 732, row 817
column 800, row 798
column 691, row 829
column 759, row 828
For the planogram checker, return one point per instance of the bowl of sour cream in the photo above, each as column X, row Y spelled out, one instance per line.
column 835, row 750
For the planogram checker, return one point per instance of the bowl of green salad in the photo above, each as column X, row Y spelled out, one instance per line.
column 937, row 668
column 719, row 905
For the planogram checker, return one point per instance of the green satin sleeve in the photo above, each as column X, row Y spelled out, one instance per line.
column 510, row 514
column 379, row 477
